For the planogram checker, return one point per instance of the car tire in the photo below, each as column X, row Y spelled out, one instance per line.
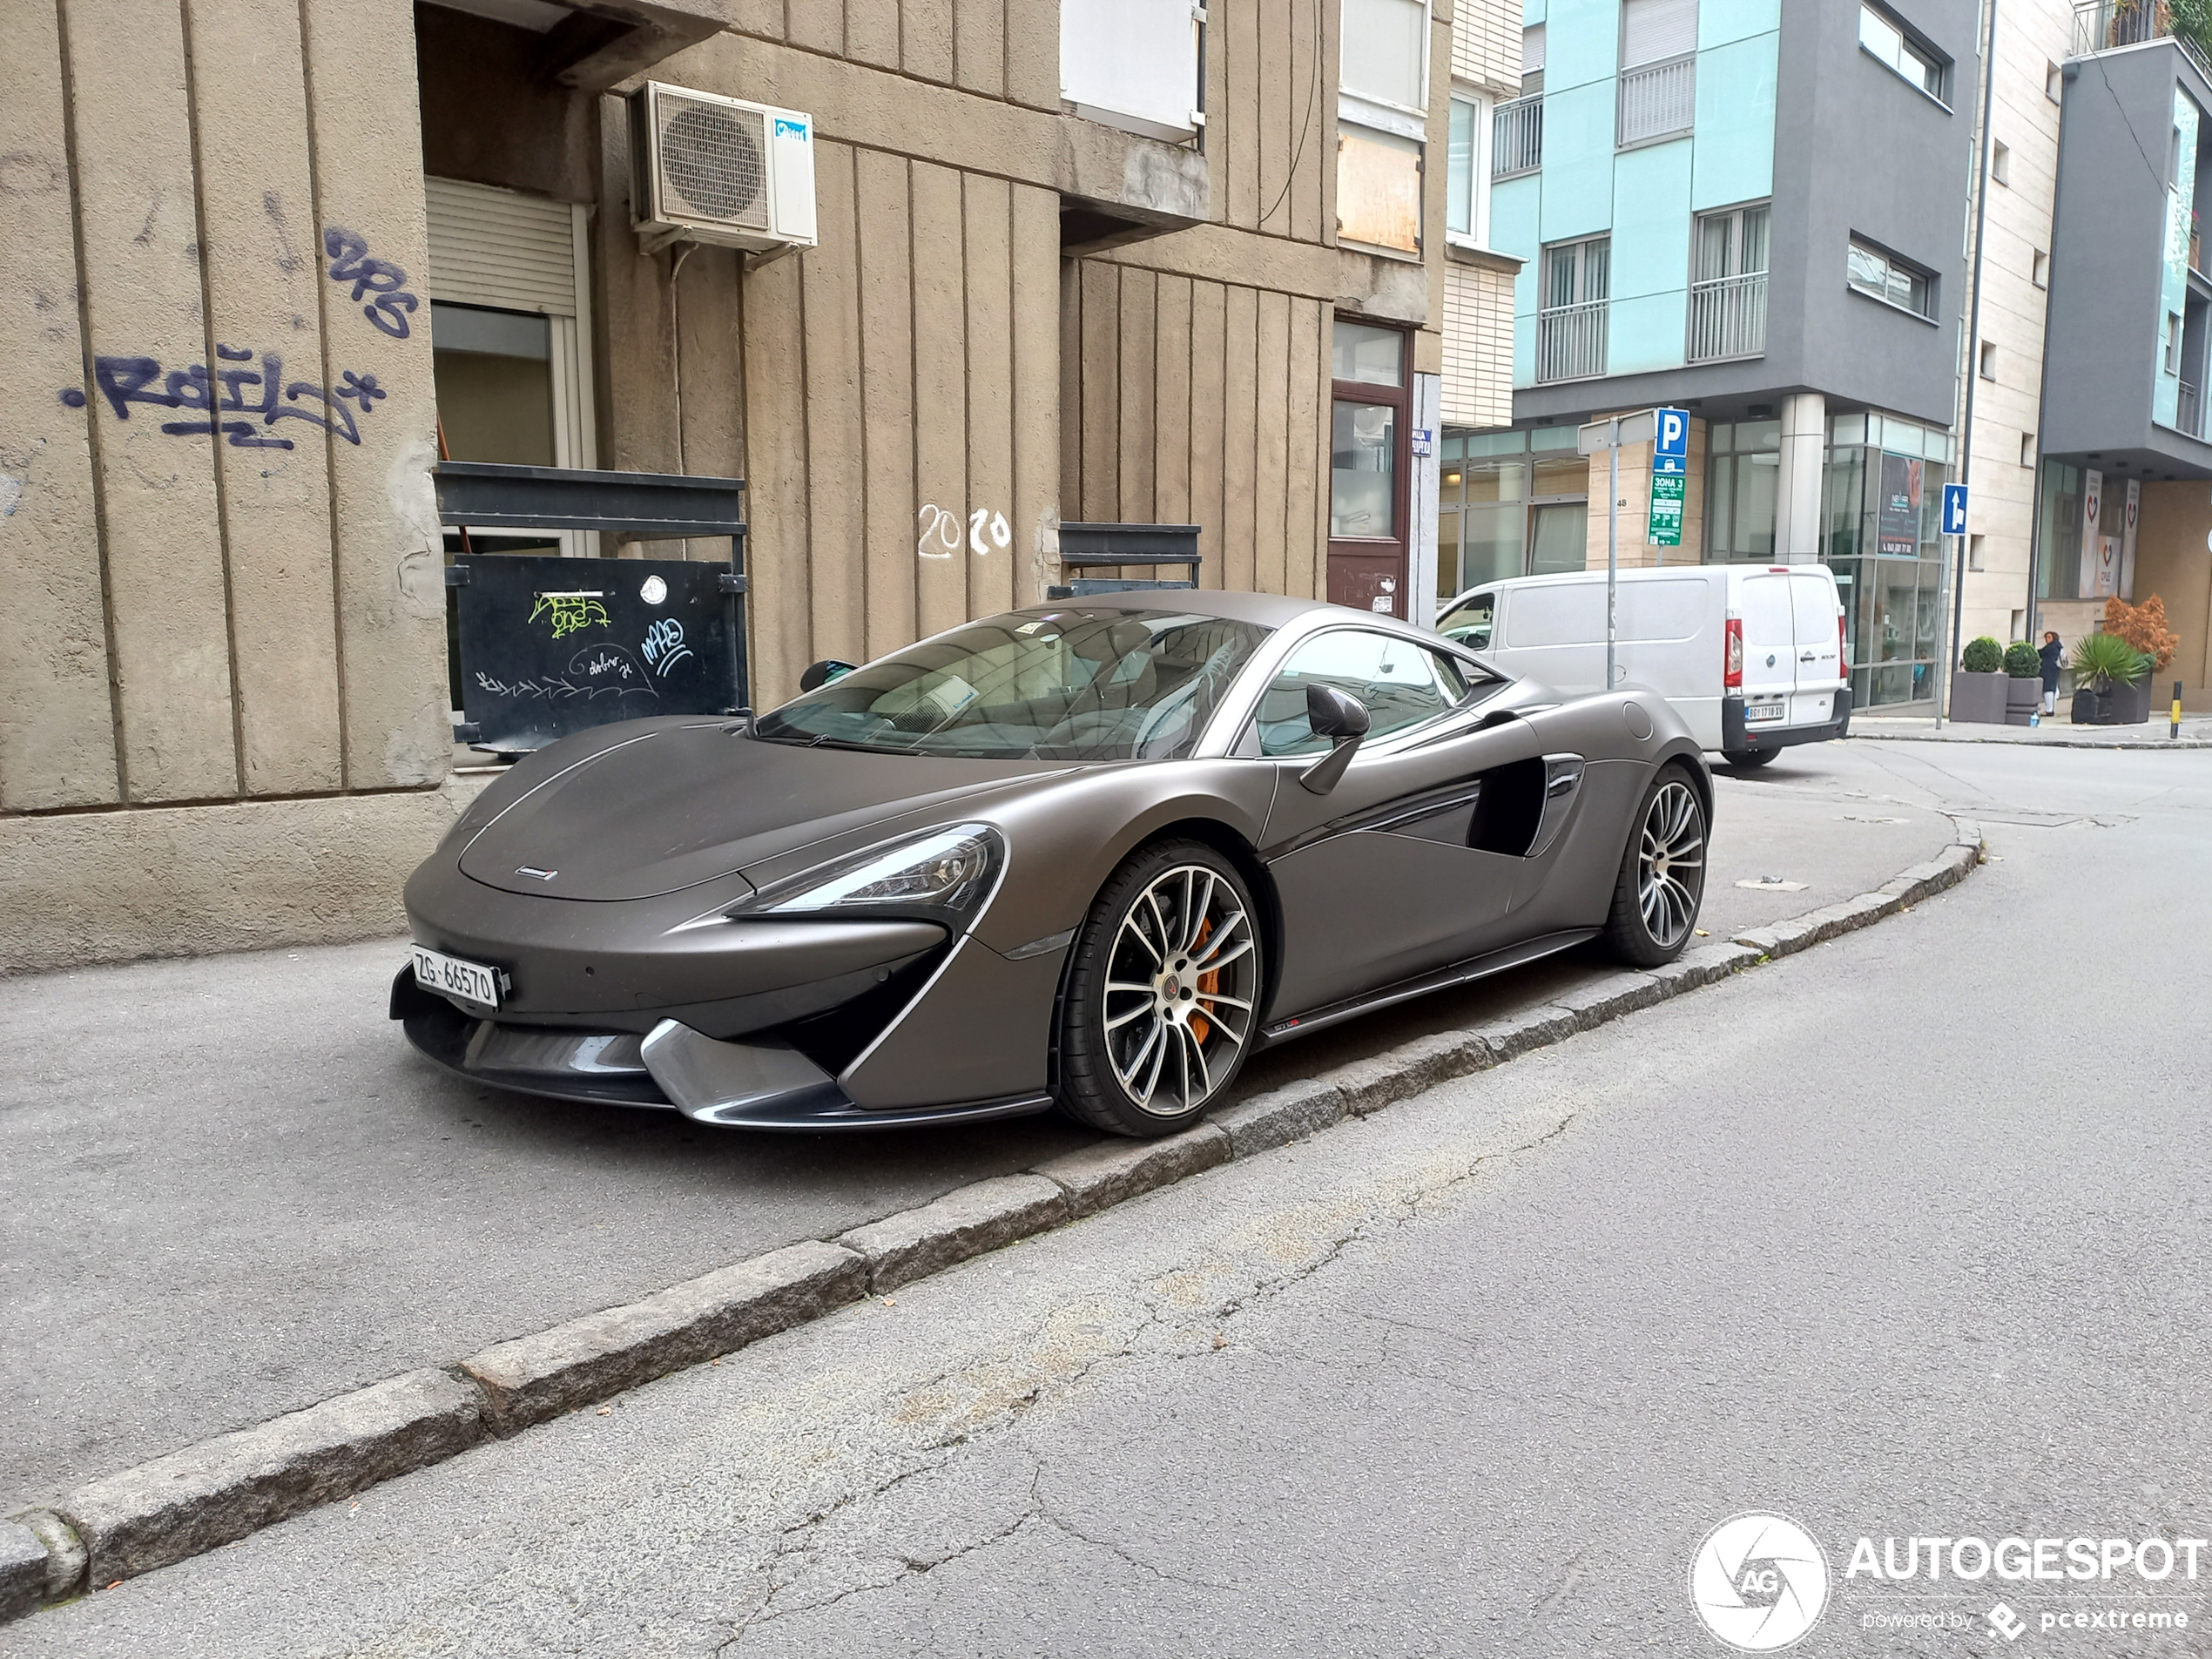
column 1161, row 995
column 1655, row 905
column 1750, row 759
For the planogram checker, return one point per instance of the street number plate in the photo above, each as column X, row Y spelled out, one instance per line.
column 1765, row 712
column 470, row 980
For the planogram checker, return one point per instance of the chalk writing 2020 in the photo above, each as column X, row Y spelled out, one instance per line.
column 243, row 404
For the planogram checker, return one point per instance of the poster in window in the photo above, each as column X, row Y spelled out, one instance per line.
column 2127, row 588
column 2092, row 505
column 1900, row 528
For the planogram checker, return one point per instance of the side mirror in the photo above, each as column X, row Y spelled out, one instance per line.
column 1342, row 719
column 820, row 674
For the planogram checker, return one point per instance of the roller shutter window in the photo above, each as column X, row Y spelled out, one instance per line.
column 1653, row 29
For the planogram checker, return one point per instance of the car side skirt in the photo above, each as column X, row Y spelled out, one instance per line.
column 1442, row 979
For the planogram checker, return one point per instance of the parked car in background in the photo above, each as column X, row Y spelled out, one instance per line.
column 1750, row 656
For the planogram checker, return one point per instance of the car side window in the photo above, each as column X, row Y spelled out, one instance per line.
column 1401, row 683
column 1469, row 623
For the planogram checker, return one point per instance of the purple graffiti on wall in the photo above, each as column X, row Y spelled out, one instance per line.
column 349, row 262
column 249, row 397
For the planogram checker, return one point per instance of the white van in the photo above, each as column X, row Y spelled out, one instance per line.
column 1751, row 656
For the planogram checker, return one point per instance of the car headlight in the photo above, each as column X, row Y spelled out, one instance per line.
column 945, row 870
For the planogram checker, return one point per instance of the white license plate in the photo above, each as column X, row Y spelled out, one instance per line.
column 470, row 980
column 1770, row 711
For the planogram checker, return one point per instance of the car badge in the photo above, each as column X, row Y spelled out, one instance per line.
column 535, row 874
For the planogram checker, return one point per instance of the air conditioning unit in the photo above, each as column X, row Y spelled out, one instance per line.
column 709, row 169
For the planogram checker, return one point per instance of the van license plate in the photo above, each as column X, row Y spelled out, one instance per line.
column 471, row 981
column 1770, row 712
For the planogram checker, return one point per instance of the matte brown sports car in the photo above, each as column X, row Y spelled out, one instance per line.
column 1091, row 854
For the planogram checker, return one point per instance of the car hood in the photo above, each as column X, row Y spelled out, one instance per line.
column 689, row 803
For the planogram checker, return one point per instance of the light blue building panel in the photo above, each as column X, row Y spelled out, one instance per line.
column 1646, row 333
column 1577, row 175
column 1651, row 221
column 1721, row 21
column 1735, row 137
column 1582, row 43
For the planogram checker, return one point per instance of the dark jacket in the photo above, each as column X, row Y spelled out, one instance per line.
column 2050, row 654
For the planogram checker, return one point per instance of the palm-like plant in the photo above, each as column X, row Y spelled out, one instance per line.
column 2102, row 661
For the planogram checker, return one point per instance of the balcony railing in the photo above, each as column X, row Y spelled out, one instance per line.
column 1570, row 341
column 1727, row 317
column 2102, row 25
column 2188, row 412
column 1658, row 100
column 1517, row 137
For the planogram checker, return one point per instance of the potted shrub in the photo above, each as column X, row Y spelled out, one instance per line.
column 2103, row 665
column 1978, row 688
column 2023, row 682
column 2142, row 626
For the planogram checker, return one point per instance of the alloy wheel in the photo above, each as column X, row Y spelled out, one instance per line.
column 1670, row 872
column 1179, row 990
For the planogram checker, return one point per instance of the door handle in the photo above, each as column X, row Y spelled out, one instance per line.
column 1806, row 657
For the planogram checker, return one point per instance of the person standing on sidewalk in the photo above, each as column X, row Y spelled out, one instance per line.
column 2051, row 655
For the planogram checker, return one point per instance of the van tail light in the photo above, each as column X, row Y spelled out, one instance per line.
column 1733, row 656
column 1842, row 650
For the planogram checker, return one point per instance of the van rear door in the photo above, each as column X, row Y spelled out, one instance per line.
column 1770, row 651
column 1820, row 660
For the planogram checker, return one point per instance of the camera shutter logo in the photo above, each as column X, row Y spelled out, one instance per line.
column 1758, row 1582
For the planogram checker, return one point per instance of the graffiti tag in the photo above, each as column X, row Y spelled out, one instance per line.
column 241, row 403
column 567, row 613
column 391, row 303
column 664, row 645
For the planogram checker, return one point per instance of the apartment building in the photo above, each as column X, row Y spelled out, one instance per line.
column 1755, row 210
column 267, row 260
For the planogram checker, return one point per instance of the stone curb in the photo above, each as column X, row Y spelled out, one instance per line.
column 583, row 1362
column 190, row 1502
column 2133, row 746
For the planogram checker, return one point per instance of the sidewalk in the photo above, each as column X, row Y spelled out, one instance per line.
column 2056, row 732
column 233, row 1191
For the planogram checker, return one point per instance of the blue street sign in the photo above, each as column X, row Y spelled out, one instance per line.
column 1954, row 509
column 1670, row 464
column 1670, row 433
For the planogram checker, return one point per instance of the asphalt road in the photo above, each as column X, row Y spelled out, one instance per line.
column 1904, row 1235
column 229, row 1190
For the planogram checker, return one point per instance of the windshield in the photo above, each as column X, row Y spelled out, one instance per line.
column 1075, row 685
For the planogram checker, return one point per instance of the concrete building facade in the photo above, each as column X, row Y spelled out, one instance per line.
column 268, row 258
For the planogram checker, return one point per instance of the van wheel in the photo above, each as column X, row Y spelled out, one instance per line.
column 1661, row 884
column 1750, row 759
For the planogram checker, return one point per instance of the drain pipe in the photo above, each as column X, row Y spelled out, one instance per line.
column 1973, row 362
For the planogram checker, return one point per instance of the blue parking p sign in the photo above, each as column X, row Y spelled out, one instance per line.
column 1954, row 509
column 1670, row 433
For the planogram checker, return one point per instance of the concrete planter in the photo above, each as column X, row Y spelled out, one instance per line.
column 2131, row 702
column 1978, row 699
column 2093, row 708
column 2022, row 699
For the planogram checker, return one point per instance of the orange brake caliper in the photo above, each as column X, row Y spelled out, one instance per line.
column 1209, row 984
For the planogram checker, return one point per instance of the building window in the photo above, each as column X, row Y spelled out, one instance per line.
column 1467, row 204
column 2040, row 270
column 2054, row 82
column 1379, row 189
column 1509, row 504
column 1728, row 287
column 1973, row 552
column 1743, row 481
column 2173, row 343
column 2000, row 163
column 1571, row 325
column 1884, row 277
column 1384, row 52
column 1988, row 361
column 2027, row 449
column 1532, row 59
column 1886, row 38
column 1658, row 71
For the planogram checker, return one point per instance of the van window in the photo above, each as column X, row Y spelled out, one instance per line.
column 1469, row 622
column 1654, row 611
column 1816, row 606
column 1571, row 614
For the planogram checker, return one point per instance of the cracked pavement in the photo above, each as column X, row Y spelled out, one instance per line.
column 1906, row 1233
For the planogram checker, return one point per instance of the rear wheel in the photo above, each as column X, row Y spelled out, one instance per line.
column 1163, row 989
column 1749, row 759
column 1661, row 884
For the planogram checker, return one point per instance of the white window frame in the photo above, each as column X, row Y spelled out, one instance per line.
column 1909, row 45
column 1389, row 114
column 1477, row 235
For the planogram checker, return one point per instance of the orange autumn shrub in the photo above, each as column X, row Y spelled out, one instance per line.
column 2142, row 626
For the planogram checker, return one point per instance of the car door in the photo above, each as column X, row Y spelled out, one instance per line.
column 1384, row 877
column 1762, row 603
column 1820, row 642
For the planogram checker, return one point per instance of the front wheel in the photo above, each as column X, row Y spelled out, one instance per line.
column 1661, row 884
column 1162, row 989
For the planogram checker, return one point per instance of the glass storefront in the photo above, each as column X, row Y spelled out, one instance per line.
column 1881, row 514
column 1509, row 504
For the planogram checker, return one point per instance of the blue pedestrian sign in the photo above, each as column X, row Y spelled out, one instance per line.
column 1954, row 509
column 1670, row 433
